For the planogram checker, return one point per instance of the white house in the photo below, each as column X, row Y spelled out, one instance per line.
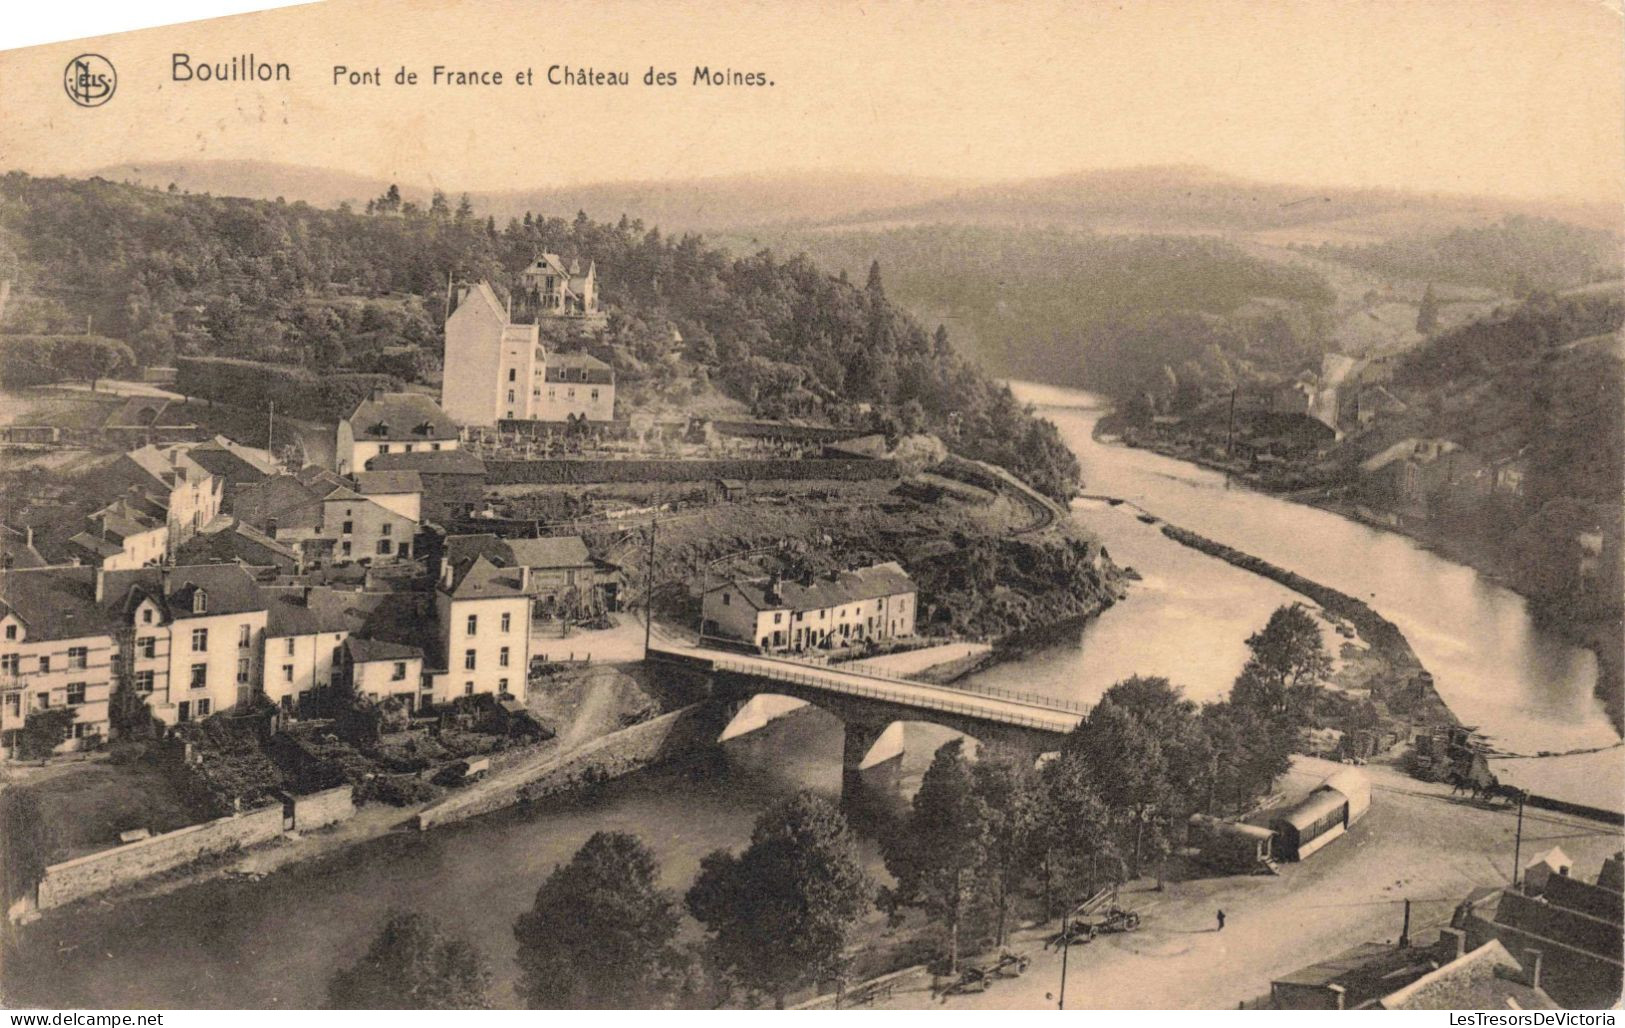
column 392, row 423
column 56, row 651
column 483, row 611
column 831, row 611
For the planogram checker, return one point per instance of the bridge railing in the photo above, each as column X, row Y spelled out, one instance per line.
column 866, row 692
column 1030, row 698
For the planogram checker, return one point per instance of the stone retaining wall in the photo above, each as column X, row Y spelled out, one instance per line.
column 319, row 809
column 98, row 872
column 611, row 756
column 570, row 472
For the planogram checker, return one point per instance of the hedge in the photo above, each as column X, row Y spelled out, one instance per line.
column 575, row 472
column 298, row 392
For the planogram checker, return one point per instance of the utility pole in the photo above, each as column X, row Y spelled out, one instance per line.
column 1230, row 433
column 649, row 590
column 270, row 427
column 1405, row 932
column 1517, row 843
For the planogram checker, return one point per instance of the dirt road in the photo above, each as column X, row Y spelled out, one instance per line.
column 1417, row 842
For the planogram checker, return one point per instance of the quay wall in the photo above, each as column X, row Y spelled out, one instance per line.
column 95, row 873
column 620, row 753
column 319, row 809
column 571, row 472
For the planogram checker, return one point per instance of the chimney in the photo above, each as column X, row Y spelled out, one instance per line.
column 1531, row 967
column 101, row 585
column 524, row 578
column 1453, row 941
column 28, row 530
column 377, row 393
column 163, row 579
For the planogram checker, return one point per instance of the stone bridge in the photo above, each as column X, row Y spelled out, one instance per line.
column 869, row 703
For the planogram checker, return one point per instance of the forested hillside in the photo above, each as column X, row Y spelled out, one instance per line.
column 1517, row 255
column 1110, row 313
column 176, row 274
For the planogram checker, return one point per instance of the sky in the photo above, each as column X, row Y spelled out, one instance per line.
column 1523, row 98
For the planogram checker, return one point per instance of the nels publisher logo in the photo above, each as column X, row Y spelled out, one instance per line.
column 90, row 80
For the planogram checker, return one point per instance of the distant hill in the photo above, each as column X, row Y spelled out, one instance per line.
column 1189, row 199
column 703, row 204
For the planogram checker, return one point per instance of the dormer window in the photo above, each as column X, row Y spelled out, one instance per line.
column 426, row 428
column 380, row 428
column 200, row 602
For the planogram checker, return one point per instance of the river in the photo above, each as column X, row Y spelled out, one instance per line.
column 275, row 942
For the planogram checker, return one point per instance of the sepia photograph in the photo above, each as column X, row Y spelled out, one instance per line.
column 976, row 505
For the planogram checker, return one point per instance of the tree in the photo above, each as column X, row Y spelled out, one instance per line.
column 600, row 933
column 939, row 852
column 873, row 286
column 43, row 731
column 1077, row 851
column 1009, row 791
column 1289, row 655
column 1427, row 314
column 782, row 913
column 413, row 965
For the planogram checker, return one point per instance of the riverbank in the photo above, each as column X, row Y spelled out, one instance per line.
column 1604, row 638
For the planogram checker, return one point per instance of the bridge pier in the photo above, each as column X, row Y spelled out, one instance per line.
column 865, row 745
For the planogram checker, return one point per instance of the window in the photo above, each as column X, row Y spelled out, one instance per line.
column 287, row 672
column 507, row 622
column 777, row 617
column 408, row 448
column 386, row 530
column 468, row 660
column 502, row 657
column 345, row 548
column 44, row 665
column 183, row 711
column 9, row 663
column 468, row 688
column 595, row 394
column 11, row 631
column 502, row 685
column 510, row 396
column 42, row 701
column 202, row 708
column 383, row 547
column 146, row 616
column 242, row 670
column 143, row 681
column 569, row 394
column 200, row 602
column 434, row 446
column 348, row 529
column 200, row 676
column 552, row 394
column 200, row 640
column 290, row 647
column 511, row 375
column 725, row 602
column 147, row 645
column 399, row 674
column 383, row 448
column 14, row 704
column 245, row 636
column 76, row 693
column 473, row 623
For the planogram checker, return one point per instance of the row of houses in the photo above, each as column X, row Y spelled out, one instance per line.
column 832, row 611
column 190, row 641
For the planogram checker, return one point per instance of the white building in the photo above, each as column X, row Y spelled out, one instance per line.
column 496, row 368
column 305, row 634
column 832, row 611
column 56, row 651
column 392, row 423
column 483, row 611
column 196, row 636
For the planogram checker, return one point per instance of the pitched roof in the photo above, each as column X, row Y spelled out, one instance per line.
column 430, row 462
column 17, row 548
column 578, row 367
column 318, row 610
column 558, row 551
column 54, row 603
column 225, row 459
column 1485, row 979
column 400, row 417
column 831, row 590
column 363, row 651
column 481, row 578
column 230, row 589
column 379, row 483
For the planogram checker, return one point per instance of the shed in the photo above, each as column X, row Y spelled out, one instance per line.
column 1553, row 862
column 730, row 488
column 1355, row 787
column 1229, row 845
column 1321, row 817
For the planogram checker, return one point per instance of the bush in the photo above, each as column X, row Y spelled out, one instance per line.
column 395, row 790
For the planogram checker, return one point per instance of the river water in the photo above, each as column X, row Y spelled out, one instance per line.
column 275, row 942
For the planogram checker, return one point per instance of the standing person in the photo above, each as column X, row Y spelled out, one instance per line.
column 1221, row 922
